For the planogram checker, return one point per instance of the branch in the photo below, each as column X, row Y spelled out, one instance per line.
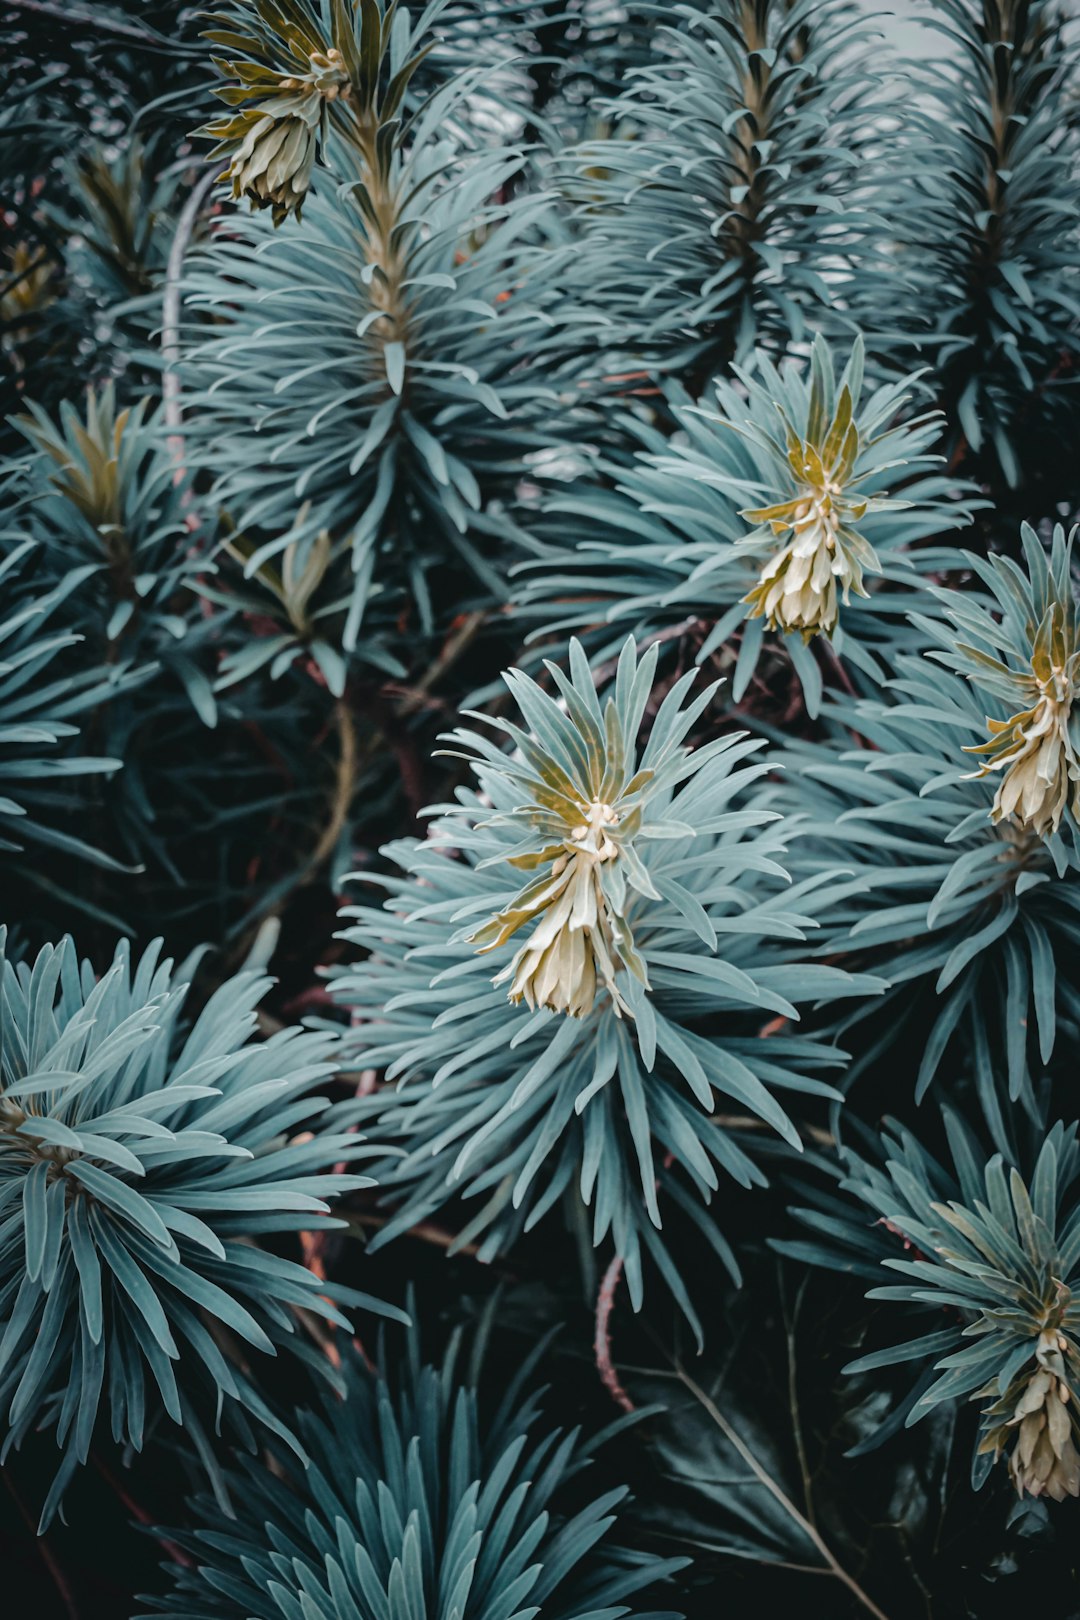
column 458, row 641
column 812, row 1534
column 59, row 1579
column 170, row 314
column 344, row 787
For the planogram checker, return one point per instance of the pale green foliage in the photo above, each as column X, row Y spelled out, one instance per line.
column 138, row 1161
column 1023, row 648
column 730, row 521
column 1000, row 1258
column 418, row 1499
column 521, row 1105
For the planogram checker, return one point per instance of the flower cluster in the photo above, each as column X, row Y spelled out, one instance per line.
column 290, row 71
column 822, row 556
column 1039, row 1414
column 817, row 463
column 586, row 806
column 271, row 147
column 964, row 898
column 661, row 921
column 1022, row 645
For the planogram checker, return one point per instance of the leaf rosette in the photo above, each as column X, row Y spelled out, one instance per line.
column 139, row 1165
column 662, row 936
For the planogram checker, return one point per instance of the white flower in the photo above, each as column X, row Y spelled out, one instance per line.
column 576, row 942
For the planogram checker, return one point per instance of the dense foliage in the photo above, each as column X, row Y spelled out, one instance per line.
column 417, row 1501
column 540, row 665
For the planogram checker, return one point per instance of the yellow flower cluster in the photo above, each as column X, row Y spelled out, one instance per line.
column 277, row 139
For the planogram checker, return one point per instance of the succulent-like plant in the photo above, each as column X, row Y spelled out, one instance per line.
column 973, row 915
column 103, row 494
column 139, row 1164
column 120, row 224
column 1023, row 648
column 588, row 1060
column 995, row 1259
column 363, row 367
column 982, row 199
column 418, row 1498
column 795, row 505
column 28, row 285
column 42, row 704
column 821, row 555
column 716, row 203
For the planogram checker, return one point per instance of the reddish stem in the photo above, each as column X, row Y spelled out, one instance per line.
column 59, row 1579
column 177, row 1554
column 605, row 1304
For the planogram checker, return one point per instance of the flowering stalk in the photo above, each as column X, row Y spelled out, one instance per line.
column 1021, row 646
column 1034, row 749
column 1038, row 1415
column 289, row 79
column 271, row 146
column 992, row 1259
column 579, row 937
column 823, row 555
column 584, row 804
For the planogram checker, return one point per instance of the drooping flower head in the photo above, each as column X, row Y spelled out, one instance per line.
column 585, row 802
column 289, row 74
column 271, row 146
column 1024, row 648
column 410, row 252
column 814, row 554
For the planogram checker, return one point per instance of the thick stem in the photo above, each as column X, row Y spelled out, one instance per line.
column 380, row 248
column 751, row 128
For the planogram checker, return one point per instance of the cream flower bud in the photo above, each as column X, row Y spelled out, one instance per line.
column 1035, row 752
column 1040, row 765
column 824, row 556
column 272, row 142
column 272, row 166
column 573, row 947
